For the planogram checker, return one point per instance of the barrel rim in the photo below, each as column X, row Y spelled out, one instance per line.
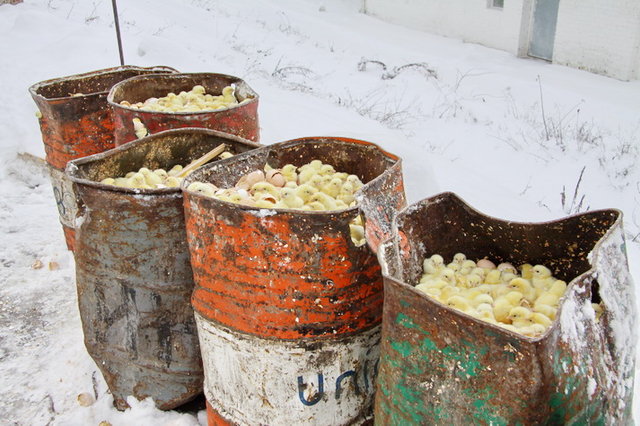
column 293, row 142
column 72, row 168
column 35, row 88
column 412, row 208
column 135, row 79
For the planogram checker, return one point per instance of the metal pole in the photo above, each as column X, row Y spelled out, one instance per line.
column 115, row 19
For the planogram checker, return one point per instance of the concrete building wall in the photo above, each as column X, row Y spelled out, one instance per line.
column 468, row 20
column 599, row 36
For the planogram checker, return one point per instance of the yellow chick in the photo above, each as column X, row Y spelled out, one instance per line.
column 306, row 191
column 355, row 182
column 357, row 234
column 225, row 155
column 448, row 275
column 289, row 173
column 314, row 205
column 175, row 170
column 161, row 173
column 507, row 267
column 138, row 181
column 523, row 286
column 198, row 90
column 460, row 303
column 482, row 299
column 260, row 188
column 558, row 288
column 459, row 258
column 346, row 194
column 492, row 277
column 203, row 188
column 328, row 202
column 526, row 271
column 473, row 280
column 150, row 178
column 520, row 317
column 448, row 291
column 598, row 309
column 333, row 188
column 533, row 330
column 108, row 181
column 326, row 170
column 548, row 311
column 542, row 278
column 265, row 201
column 503, row 305
column 290, row 199
column 541, row 319
column 121, row 182
column 139, row 129
column 173, row 182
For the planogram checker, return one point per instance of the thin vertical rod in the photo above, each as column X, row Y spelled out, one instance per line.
column 115, row 18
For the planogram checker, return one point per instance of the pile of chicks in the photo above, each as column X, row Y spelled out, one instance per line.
column 146, row 178
column 195, row 100
column 526, row 303
column 313, row 186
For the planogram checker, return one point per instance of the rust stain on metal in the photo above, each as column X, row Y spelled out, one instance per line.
column 133, row 273
column 241, row 120
column 440, row 365
column 76, row 121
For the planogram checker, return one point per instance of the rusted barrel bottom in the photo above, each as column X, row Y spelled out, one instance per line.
column 169, row 389
column 251, row 380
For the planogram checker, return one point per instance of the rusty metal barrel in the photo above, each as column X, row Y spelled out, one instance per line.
column 240, row 120
column 288, row 308
column 133, row 274
column 441, row 366
column 76, row 121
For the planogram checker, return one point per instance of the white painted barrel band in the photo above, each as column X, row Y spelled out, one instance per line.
column 251, row 380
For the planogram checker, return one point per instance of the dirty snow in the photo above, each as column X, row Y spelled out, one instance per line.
column 464, row 118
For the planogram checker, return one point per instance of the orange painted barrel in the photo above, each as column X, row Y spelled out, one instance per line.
column 133, row 273
column 240, row 120
column 288, row 308
column 76, row 121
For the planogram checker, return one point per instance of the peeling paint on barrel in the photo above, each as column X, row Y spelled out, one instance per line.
column 76, row 121
column 438, row 365
column 288, row 307
column 133, row 272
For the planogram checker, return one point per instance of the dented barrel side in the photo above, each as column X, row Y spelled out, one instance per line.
column 438, row 364
column 133, row 271
column 76, row 121
column 240, row 120
column 288, row 308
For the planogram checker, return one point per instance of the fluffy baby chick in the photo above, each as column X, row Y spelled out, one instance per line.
column 460, row 303
column 333, row 188
column 265, row 201
column 548, row 311
column 533, row 330
column 225, row 155
column 289, row 173
column 306, row 191
column 538, row 318
column 150, row 178
column 357, row 234
column 526, row 271
column 175, row 170
column 523, row 286
column 506, row 267
column 138, row 181
column 290, row 199
column 172, row 182
column 327, row 170
column 139, row 129
column 459, row 258
column 203, row 188
column 161, row 173
column 542, row 278
column 108, row 181
column 315, row 206
column 448, row 275
column 328, row 202
column 448, row 291
column 493, row 277
column 503, row 305
column 198, row 90
column 520, row 317
column 558, row 288
column 261, row 188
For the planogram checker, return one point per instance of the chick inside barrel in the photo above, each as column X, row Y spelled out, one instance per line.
column 508, row 322
column 280, row 271
column 144, row 106
column 133, row 272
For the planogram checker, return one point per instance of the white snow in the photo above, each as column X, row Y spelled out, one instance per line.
column 478, row 129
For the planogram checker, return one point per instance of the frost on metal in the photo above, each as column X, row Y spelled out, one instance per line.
column 440, row 365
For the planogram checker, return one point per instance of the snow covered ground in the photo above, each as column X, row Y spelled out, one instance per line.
column 508, row 135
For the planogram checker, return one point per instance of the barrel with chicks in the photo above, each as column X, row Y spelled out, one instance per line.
column 133, row 272
column 75, row 120
column 288, row 296
column 500, row 322
column 150, row 104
